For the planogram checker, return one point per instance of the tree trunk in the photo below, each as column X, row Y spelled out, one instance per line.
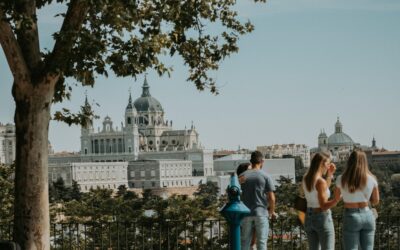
column 32, row 116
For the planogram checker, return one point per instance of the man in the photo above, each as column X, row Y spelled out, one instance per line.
column 258, row 195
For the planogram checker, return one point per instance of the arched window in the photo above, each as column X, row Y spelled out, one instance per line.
column 129, row 120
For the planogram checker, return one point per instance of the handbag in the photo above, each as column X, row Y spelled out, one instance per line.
column 300, row 203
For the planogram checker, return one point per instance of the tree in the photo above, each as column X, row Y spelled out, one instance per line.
column 124, row 36
column 208, row 194
column 75, row 191
column 6, row 193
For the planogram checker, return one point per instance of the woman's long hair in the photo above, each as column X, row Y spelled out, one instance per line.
column 316, row 162
column 355, row 175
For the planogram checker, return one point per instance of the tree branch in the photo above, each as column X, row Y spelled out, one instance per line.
column 74, row 18
column 14, row 56
column 27, row 33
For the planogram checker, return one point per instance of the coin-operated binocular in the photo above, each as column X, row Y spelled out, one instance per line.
column 234, row 211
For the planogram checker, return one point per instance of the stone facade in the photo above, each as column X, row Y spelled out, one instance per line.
column 160, row 174
column 90, row 175
column 280, row 150
column 7, row 143
column 202, row 160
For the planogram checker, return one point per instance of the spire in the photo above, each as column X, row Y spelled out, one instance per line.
column 146, row 87
column 86, row 100
column 373, row 142
column 129, row 106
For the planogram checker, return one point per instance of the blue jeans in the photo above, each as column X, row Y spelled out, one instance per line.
column 320, row 230
column 261, row 225
column 358, row 229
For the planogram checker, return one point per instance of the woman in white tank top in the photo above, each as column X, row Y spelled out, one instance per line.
column 358, row 187
column 318, row 223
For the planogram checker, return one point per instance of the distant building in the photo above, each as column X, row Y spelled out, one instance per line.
column 160, row 174
column 145, row 136
column 7, row 143
column 222, row 153
column 91, row 175
column 339, row 144
column 385, row 158
column 202, row 160
column 227, row 165
column 274, row 167
column 281, row 150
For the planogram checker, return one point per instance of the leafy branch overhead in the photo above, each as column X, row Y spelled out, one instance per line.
column 129, row 37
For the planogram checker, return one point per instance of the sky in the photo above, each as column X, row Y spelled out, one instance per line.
column 306, row 63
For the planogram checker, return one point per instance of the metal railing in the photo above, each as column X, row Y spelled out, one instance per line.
column 284, row 233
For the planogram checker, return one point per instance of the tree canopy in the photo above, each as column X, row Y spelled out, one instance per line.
column 127, row 37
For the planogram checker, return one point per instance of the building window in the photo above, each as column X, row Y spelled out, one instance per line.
column 129, row 120
column 142, row 173
column 85, row 151
column 132, row 173
column 153, row 184
column 153, row 173
column 129, row 149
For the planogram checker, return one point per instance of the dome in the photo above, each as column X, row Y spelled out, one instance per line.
column 340, row 139
column 146, row 102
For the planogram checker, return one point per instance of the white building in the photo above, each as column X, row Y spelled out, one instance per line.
column 7, row 143
column 94, row 175
column 274, row 167
column 202, row 160
column 160, row 173
column 91, row 175
column 280, row 150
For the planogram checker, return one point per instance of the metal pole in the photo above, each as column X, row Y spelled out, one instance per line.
column 235, row 236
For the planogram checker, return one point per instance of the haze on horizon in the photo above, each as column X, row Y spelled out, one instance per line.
column 307, row 62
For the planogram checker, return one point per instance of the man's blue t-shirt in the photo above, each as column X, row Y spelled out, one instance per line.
column 255, row 185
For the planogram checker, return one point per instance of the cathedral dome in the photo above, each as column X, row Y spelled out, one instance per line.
column 146, row 102
column 340, row 139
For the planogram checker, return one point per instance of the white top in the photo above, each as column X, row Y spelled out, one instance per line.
column 362, row 195
column 312, row 196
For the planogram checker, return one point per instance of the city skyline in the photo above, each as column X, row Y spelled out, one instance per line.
column 306, row 63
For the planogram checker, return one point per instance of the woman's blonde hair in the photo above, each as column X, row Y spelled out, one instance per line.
column 355, row 175
column 316, row 162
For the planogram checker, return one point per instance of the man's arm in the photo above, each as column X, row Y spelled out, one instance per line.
column 271, row 204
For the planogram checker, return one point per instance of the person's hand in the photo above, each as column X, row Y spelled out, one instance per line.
column 331, row 169
column 337, row 195
column 273, row 216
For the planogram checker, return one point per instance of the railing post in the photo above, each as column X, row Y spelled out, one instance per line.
column 234, row 211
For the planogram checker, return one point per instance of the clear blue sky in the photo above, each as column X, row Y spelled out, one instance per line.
column 306, row 62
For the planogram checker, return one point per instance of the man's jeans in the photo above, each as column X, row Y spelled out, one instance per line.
column 260, row 224
column 358, row 229
column 320, row 230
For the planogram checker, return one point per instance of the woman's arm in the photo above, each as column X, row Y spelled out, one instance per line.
column 374, row 199
column 324, row 203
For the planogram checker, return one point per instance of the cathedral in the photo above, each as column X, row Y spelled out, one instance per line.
column 145, row 129
column 339, row 144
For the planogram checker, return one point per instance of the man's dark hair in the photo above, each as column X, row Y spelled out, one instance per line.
column 242, row 168
column 256, row 157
